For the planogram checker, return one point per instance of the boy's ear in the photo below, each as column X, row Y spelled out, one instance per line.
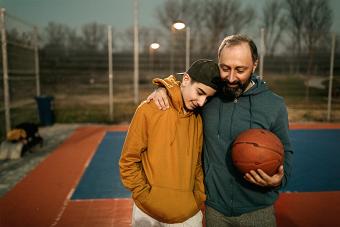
column 186, row 79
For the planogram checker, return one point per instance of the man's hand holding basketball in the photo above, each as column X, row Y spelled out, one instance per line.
column 260, row 178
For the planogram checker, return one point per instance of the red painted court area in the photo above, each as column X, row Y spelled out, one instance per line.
column 43, row 198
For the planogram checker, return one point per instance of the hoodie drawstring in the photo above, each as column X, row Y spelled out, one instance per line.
column 219, row 119
column 250, row 112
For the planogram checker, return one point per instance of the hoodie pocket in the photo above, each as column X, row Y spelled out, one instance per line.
column 170, row 205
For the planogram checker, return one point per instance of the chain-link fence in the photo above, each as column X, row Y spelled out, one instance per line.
column 75, row 71
column 20, row 71
column 303, row 79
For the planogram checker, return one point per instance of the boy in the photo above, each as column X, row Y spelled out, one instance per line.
column 161, row 156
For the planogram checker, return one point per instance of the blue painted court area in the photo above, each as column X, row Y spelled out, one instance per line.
column 101, row 178
column 316, row 165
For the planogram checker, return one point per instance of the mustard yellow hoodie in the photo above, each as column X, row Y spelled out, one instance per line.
column 161, row 159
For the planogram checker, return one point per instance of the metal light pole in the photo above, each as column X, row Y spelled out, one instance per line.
column 179, row 25
column 5, row 71
column 329, row 104
column 187, row 48
column 153, row 47
column 171, row 50
column 36, row 61
column 262, row 53
column 136, row 52
column 109, row 45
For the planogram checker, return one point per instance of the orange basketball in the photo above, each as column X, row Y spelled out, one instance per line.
column 257, row 149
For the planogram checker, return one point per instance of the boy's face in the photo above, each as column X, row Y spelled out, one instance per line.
column 194, row 94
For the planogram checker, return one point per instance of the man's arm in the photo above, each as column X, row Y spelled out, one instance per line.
column 160, row 97
column 281, row 129
column 131, row 169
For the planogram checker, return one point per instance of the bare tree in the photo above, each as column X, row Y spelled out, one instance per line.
column 168, row 13
column 224, row 17
column 317, row 25
column 220, row 16
column 188, row 11
column 307, row 19
column 56, row 36
column 274, row 22
column 146, row 37
column 74, row 41
column 310, row 20
column 209, row 20
column 94, row 36
column 14, row 35
column 243, row 18
column 23, row 37
column 173, row 10
column 296, row 10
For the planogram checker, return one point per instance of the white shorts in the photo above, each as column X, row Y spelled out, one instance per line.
column 141, row 219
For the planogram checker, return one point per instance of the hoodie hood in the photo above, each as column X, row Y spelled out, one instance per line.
column 258, row 87
column 174, row 91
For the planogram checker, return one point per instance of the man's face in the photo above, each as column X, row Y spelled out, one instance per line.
column 194, row 94
column 236, row 66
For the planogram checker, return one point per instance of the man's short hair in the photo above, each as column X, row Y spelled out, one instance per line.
column 234, row 40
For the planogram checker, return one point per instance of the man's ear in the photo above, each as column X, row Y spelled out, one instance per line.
column 255, row 65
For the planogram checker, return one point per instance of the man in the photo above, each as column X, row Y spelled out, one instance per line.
column 244, row 102
column 161, row 156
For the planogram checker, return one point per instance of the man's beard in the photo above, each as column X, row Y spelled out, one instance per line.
column 234, row 92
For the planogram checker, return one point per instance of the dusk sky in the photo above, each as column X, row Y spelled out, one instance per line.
column 118, row 13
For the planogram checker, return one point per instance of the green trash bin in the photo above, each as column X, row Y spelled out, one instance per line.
column 45, row 110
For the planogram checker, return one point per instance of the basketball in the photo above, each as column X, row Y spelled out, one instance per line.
column 257, row 149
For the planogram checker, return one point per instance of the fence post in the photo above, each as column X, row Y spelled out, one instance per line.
column 187, row 48
column 109, row 44
column 262, row 53
column 136, row 53
column 330, row 85
column 5, row 71
column 36, row 60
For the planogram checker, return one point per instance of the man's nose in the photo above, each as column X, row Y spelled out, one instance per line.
column 231, row 78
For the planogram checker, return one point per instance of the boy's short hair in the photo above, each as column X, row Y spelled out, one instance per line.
column 205, row 71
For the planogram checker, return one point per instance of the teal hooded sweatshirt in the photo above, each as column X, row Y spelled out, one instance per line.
column 227, row 191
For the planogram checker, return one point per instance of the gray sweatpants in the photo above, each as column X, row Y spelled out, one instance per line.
column 259, row 218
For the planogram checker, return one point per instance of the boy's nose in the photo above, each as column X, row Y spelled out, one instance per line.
column 202, row 101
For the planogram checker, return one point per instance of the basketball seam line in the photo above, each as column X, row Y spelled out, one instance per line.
column 256, row 145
